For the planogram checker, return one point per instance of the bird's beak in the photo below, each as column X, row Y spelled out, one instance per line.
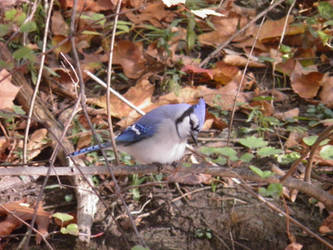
column 194, row 135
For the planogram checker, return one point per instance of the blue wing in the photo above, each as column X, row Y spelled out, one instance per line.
column 135, row 133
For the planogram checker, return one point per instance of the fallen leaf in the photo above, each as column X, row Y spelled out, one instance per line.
column 265, row 107
column 294, row 139
column 189, row 179
column 272, row 29
column 26, row 213
column 327, row 225
column 238, row 60
column 223, row 73
column 8, row 91
column 294, row 246
column 130, row 56
column 61, row 44
column 193, row 69
column 288, row 114
column 326, row 94
column 37, row 141
column 224, row 28
column 140, row 95
column 306, row 85
column 59, row 27
column 93, row 5
column 154, row 13
column 222, row 97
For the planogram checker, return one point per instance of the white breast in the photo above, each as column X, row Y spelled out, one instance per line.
column 164, row 147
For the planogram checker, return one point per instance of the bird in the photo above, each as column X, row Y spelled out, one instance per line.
column 160, row 136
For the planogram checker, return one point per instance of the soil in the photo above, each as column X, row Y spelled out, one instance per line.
column 228, row 218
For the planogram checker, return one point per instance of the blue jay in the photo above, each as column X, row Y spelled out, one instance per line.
column 160, row 136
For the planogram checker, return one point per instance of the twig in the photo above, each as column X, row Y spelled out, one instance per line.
column 123, row 99
column 241, row 83
column 123, row 170
column 39, row 78
column 32, row 104
column 108, row 104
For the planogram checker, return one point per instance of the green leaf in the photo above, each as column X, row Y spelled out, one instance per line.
column 262, row 174
column 90, row 32
column 63, row 216
column 68, row 197
column 136, row 194
column 285, row 49
column 28, row 27
column 285, row 159
column 225, row 151
column 253, row 142
column 274, row 190
column 228, row 152
column 268, row 151
column 326, row 152
column 247, row 157
column 18, row 110
column 24, row 53
column 325, row 10
column 190, row 33
column 72, row 229
column 310, row 140
column 220, row 160
column 4, row 28
column 97, row 17
column 10, row 14
column 324, row 36
column 139, row 247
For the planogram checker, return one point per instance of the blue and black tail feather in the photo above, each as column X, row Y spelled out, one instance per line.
column 90, row 149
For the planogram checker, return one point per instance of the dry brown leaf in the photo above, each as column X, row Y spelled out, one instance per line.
column 294, row 139
column 59, row 27
column 272, row 29
column 37, row 142
column 279, row 96
column 8, row 91
column 288, row 114
column 196, row 70
column 327, row 226
column 140, row 95
column 238, row 60
column 216, row 123
column 286, row 67
column 93, row 5
column 326, row 94
column 306, row 85
column 224, row 28
column 25, row 213
column 65, row 47
column 189, row 179
column 224, row 73
column 130, row 56
column 294, row 246
column 222, row 97
column 154, row 13
column 265, row 107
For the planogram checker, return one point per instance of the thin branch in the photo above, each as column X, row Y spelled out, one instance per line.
column 241, row 82
column 123, row 99
column 108, row 104
column 32, row 104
